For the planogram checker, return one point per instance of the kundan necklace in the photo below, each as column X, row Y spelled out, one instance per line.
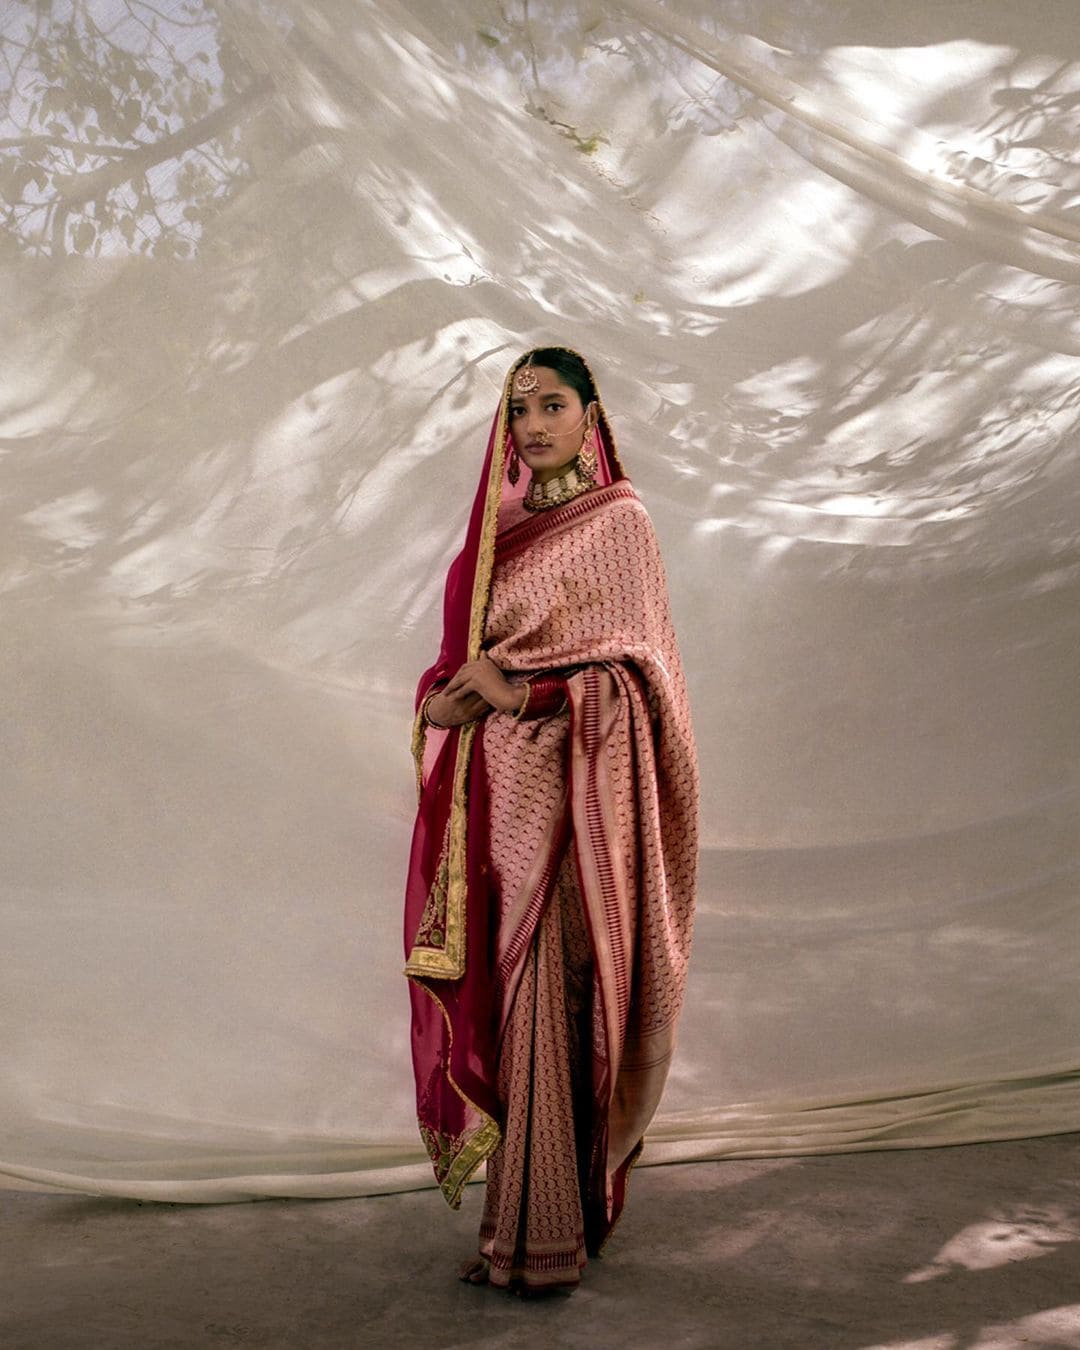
column 570, row 483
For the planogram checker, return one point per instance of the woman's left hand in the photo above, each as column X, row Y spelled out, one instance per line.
column 484, row 677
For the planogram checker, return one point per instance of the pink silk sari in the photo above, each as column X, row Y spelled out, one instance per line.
column 590, row 806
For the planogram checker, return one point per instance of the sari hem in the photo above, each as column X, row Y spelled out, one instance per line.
column 542, row 1265
column 455, row 1166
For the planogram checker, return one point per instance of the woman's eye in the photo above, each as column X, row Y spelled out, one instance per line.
column 555, row 407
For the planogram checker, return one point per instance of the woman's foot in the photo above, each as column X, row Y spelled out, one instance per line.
column 475, row 1271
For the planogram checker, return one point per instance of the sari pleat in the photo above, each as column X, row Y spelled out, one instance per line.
column 532, row 1230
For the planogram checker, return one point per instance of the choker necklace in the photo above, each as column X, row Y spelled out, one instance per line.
column 570, row 483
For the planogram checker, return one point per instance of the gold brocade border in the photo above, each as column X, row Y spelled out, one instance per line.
column 482, row 1143
column 417, row 742
column 448, row 963
column 485, row 557
column 480, row 1147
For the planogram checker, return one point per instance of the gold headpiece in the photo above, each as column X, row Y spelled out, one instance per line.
column 526, row 380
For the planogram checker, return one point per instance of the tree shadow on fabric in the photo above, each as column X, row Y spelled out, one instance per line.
column 255, row 442
column 813, row 25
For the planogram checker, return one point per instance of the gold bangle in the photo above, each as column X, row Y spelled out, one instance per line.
column 524, row 702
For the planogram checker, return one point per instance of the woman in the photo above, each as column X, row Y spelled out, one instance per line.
column 551, row 883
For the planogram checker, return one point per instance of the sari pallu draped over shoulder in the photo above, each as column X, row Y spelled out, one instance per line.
column 574, row 600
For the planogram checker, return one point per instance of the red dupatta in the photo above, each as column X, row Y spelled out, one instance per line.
column 627, row 683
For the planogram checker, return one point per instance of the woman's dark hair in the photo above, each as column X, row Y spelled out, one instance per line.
column 569, row 367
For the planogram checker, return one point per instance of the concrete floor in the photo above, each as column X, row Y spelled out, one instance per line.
column 938, row 1249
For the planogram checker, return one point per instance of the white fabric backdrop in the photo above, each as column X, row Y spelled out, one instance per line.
column 264, row 265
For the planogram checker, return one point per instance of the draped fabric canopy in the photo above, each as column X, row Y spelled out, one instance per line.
column 264, row 265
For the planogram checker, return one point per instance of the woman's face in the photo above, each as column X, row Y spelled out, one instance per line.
column 549, row 425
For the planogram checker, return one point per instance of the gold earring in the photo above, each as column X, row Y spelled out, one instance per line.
column 513, row 468
column 587, row 458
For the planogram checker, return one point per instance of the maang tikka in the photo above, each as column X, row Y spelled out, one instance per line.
column 526, row 380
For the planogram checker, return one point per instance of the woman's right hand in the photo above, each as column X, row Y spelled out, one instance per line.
column 453, row 710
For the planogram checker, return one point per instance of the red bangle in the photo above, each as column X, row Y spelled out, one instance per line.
column 546, row 697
